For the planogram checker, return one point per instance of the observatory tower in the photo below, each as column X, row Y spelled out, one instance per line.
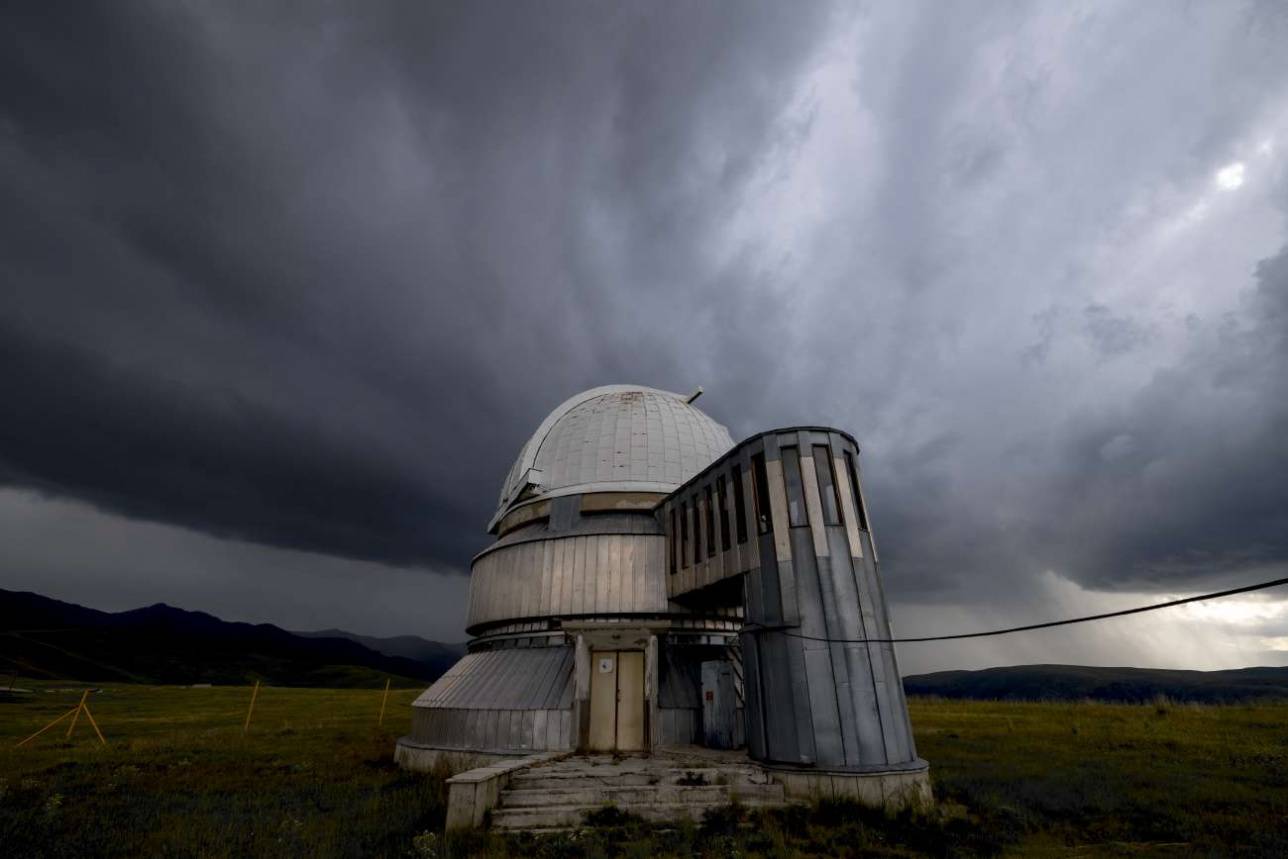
column 652, row 584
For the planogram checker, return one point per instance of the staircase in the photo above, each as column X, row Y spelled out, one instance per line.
column 558, row 795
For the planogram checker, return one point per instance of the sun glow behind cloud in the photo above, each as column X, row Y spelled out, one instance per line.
column 1231, row 176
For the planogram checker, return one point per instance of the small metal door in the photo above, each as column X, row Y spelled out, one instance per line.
column 603, row 700
column 718, row 705
column 630, row 701
column 616, row 701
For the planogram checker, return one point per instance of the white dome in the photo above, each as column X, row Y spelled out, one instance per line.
column 616, row 438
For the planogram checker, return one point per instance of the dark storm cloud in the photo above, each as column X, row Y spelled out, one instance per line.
column 310, row 279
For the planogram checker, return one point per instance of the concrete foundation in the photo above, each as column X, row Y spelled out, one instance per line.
column 890, row 789
column 414, row 756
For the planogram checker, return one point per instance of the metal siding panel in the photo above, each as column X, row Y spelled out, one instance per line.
column 822, row 713
column 512, row 726
column 543, row 679
column 561, row 593
column 569, row 728
column 885, row 675
column 839, row 602
column 521, row 595
column 527, row 728
column 867, row 695
column 650, row 588
column 529, row 581
column 628, row 555
column 612, row 573
column 578, row 605
column 554, row 732
column 543, row 590
column 597, row 581
column 754, row 709
column 539, row 728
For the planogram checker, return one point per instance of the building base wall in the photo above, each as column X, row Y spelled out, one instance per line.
column 889, row 789
column 417, row 757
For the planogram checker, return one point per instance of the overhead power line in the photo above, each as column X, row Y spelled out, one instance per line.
column 1066, row 622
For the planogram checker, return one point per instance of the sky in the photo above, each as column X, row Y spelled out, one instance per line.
column 284, row 288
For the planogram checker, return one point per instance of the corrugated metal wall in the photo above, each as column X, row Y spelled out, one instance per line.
column 597, row 574
column 500, row 701
column 497, row 731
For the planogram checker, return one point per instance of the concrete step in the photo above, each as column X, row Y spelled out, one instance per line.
column 537, row 781
column 594, row 796
column 547, row 778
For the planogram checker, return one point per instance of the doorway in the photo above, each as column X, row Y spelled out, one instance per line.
column 616, row 700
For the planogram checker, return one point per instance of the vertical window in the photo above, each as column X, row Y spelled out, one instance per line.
column 697, row 529
column 684, row 534
column 854, row 488
column 827, row 485
column 674, row 543
column 711, row 522
column 795, row 488
column 739, row 506
column 760, row 481
column 722, row 502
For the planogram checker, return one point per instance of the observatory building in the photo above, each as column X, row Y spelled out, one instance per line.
column 653, row 584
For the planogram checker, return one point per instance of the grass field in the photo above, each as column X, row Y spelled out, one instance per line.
column 314, row 777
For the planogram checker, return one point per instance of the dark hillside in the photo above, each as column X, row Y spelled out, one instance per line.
column 46, row 638
column 437, row 654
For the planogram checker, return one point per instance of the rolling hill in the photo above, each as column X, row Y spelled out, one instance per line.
column 438, row 654
column 45, row 638
column 1078, row 682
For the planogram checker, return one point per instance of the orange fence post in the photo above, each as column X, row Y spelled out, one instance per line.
column 66, row 715
column 384, row 701
column 90, row 716
column 77, row 712
column 253, row 696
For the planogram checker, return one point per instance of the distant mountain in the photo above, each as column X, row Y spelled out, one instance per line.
column 1076, row 682
column 46, row 638
column 437, row 654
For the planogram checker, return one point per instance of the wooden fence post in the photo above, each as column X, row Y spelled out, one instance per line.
column 47, row 727
column 253, row 695
column 383, row 701
column 76, row 713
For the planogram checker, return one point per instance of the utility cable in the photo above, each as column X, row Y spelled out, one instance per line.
column 1138, row 610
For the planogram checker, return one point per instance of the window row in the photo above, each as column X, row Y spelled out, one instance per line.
column 723, row 499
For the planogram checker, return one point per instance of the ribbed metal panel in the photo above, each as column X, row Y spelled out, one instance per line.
column 680, row 683
column 594, row 574
column 493, row 730
column 680, row 726
column 512, row 679
column 588, row 525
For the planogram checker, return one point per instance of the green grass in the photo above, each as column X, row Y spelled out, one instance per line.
column 314, row 777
